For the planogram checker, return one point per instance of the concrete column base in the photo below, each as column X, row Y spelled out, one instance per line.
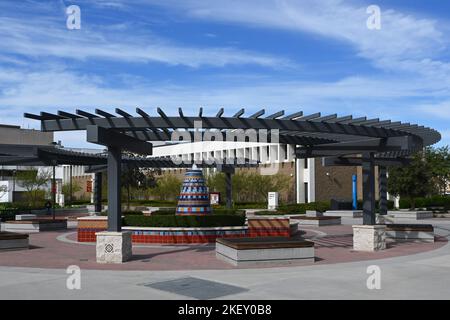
column 113, row 247
column 369, row 237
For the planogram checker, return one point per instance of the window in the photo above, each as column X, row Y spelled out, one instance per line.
column 306, row 192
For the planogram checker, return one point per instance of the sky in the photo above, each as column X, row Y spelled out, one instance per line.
column 292, row 55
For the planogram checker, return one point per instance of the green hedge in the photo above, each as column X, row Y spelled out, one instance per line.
column 433, row 201
column 215, row 211
column 125, row 213
column 6, row 215
column 153, row 203
column 390, row 205
column 301, row 208
column 184, row 221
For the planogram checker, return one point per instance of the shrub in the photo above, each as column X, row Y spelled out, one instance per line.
column 183, row 221
column 301, row 208
column 269, row 213
column 125, row 213
column 215, row 211
column 164, row 212
column 6, row 215
column 433, row 201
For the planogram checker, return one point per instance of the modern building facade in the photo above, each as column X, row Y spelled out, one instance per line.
column 309, row 180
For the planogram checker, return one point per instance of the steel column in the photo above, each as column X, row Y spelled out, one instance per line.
column 54, row 191
column 382, row 183
column 98, row 192
column 368, row 180
column 228, row 190
column 114, row 185
column 70, row 186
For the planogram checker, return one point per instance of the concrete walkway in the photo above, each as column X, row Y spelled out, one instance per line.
column 419, row 276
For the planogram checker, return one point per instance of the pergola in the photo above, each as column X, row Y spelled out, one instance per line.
column 340, row 140
column 41, row 155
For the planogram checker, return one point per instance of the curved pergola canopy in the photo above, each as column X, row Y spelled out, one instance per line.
column 336, row 139
column 316, row 135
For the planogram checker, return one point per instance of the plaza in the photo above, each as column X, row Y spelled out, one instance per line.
column 339, row 274
column 240, row 151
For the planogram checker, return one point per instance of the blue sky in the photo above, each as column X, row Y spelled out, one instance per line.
column 273, row 54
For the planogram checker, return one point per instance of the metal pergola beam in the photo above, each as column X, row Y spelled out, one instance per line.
column 357, row 161
column 111, row 138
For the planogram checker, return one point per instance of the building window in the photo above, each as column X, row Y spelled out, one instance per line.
column 306, row 192
column 306, row 163
column 284, row 151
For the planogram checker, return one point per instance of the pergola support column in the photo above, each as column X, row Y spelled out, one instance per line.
column 98, row 192
column 368, row 180
column 114, row 184
column 228, row 190
column 369, row 236
column 382, row 181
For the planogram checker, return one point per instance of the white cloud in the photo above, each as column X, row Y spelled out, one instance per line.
column 39, row 38
column 440, row 110
column 404, row 43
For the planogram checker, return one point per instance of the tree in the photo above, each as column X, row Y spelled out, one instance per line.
column 134, row 178
column 66, row 189
column 249, row 186
column 167, row 187
column 413, row 180
column 32, row 181
column 439, row 160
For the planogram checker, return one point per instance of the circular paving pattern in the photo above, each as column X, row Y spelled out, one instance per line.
column 333, row 244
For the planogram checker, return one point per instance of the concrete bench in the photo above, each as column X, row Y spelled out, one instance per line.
column 33, row 226
column 344, row 213
column 413, row 215
column 13, row 241
column 410, row 232
column 318, row 221
column 256, row 251
column 312, row 213
column 25, row 216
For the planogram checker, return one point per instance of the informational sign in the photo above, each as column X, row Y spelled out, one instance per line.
column 272, row 199
column 89, row 186
column 214, row 198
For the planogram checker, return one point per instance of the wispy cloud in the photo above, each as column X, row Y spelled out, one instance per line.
column 404, row 43
column 48, row 38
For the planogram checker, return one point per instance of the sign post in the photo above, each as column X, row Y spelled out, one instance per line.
column 272, row 200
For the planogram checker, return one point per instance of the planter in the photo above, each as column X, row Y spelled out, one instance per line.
column 257, row 227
